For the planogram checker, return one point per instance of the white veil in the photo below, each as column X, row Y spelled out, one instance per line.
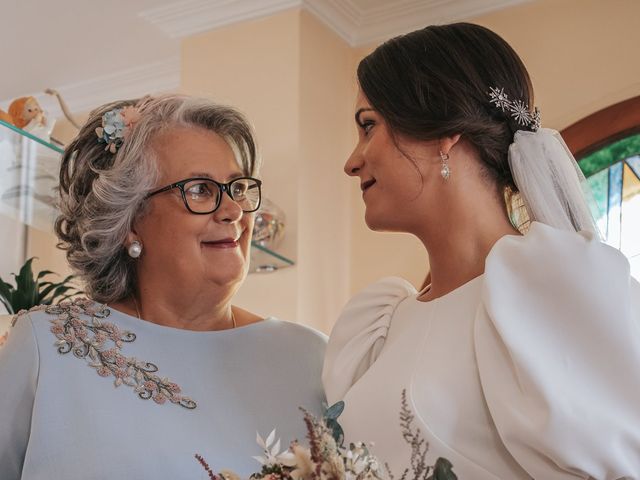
column 551, row 185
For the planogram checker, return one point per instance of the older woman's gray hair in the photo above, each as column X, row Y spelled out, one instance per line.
column 101, row 193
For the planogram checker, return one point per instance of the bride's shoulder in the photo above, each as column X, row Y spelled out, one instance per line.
column 374, row 305
column 545, row 248
column 559, row 321
column 359, row 333
column 378, row 297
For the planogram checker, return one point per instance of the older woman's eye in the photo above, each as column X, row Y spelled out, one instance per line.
column 238, row 190
column 199, row 190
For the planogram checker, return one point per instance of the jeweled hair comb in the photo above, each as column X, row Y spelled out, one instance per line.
column 517, row 109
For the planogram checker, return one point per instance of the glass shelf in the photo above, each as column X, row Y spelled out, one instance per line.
column 28, row 177
column 29, row 169
column 265, row 260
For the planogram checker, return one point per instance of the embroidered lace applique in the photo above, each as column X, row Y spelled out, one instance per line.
column 80, row 328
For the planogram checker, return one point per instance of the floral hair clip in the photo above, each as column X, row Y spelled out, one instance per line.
column 116, row 124
column 517, row 109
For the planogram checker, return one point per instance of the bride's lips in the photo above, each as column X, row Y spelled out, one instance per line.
column 222, row 243
column 364, row 186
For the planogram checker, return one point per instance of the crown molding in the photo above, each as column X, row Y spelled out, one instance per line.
column 133, row 82
column 360, row 26
column 190, row 17
column 356, row 25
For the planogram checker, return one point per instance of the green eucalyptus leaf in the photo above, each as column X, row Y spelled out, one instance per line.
column 334, row 411
column 443, row 470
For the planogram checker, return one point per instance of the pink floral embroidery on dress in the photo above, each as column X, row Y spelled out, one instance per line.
column 80, row 328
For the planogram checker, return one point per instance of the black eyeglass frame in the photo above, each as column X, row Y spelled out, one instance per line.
column 224, row 187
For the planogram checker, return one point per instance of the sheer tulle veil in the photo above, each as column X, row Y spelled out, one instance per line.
column 552, row 188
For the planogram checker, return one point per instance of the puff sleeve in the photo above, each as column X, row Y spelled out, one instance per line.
column 359, row 334
column 557, row 342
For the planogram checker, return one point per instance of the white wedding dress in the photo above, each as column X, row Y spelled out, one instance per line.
column 530, row 370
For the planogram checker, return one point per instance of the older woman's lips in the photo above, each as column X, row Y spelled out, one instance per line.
column 224, row 243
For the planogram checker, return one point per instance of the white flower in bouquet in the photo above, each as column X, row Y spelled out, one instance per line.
column 271, row 452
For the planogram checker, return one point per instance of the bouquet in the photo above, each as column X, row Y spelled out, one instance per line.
column 326, row 458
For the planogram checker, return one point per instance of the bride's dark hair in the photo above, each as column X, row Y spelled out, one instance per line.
column 435, row 82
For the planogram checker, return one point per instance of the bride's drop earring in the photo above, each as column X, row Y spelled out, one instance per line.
column 445, row 171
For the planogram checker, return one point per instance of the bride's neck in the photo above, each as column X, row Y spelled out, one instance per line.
column 458, row 248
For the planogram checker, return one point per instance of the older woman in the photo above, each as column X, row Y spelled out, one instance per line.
column 157, row 199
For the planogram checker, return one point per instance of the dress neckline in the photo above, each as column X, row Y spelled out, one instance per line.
column 456, row 291
column 184, row 331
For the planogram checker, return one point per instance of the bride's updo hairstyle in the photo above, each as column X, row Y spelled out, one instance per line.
column 435, row 82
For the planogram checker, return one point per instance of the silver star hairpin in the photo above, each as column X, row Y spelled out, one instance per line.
column 517, row 109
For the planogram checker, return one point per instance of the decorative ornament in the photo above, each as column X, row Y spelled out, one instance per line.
column 135, row 249
column 517, row 109
column 445, row 171
column 116, row 126
column 268, row 230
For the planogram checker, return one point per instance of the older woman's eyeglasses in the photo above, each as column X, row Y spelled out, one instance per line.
column 203, row 195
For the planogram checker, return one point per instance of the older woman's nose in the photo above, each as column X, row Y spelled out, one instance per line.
column 228, row 211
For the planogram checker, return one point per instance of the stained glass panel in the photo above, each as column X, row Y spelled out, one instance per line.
column 610, row 154
column 614, row 178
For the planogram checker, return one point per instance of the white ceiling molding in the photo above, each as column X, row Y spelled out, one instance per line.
column 359, row 22
column 190, row 17
column 134, row 82
column 362, row 22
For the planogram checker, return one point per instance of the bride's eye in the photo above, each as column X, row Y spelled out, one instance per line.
column 367, row 125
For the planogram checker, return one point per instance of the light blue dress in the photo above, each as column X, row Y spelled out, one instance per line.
column 62, row 415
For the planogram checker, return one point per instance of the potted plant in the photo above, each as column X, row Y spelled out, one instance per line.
column 31, row 290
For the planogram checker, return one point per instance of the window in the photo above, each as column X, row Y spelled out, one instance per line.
column 607, row 148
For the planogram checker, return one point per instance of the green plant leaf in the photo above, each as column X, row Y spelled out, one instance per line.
column 45, row 291
column 26, row 284
column 7, row 305
column 29, row 291
column 57, row 292
column 45, row 272
column 48, row 288
column 21, row 301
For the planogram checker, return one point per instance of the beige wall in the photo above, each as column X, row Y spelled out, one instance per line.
column 582, row 55
column 323, row 200
column 281, row 71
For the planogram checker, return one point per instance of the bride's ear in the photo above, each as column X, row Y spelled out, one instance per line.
column 447, row 143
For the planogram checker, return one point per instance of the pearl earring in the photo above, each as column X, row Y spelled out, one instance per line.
column 135, row 249
column 445, row 171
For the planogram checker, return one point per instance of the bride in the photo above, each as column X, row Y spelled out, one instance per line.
column 522, row 357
